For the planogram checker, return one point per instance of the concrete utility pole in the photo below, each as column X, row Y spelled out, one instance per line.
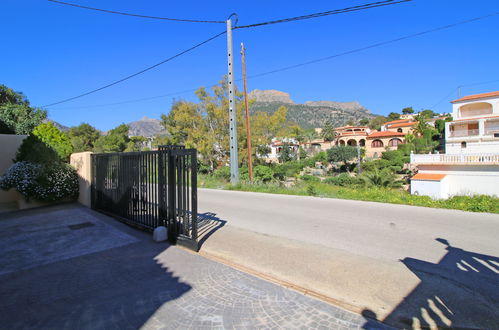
column 234, row 169
column 248, row 127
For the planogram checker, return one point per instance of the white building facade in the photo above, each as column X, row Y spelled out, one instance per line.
column 470, row 165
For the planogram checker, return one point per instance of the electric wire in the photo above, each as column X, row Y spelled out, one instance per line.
column 413, row 35
column 326, row 13
column 140, row 72
column 465, row 85
column 325, row 59
column 134, row 15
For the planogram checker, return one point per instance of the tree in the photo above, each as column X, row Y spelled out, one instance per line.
column 393, row 116
column 428, row 114
column 343, row 154
column 328, row 133
column 408, row 110
column 364, row 122
column 83, row 137
column 116, row 140
column 381, row 178
column 16, row 115
column 286, row 154
column 376, row 122
column 136, row 143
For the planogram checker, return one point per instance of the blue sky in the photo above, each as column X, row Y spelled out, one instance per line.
column 53, row 52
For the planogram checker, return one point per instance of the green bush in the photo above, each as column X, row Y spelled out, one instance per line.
column 222, row 173
column 54, row 138
column 34, row 150
column 263, row 173
column 344, row 180
column 310, row 178
column 381, row 178
column 311, row 190
column 42, row 182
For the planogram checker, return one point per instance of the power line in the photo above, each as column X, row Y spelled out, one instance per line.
column 140, row 72
column 330, row 57
column 327, row 13
column 373, row 45
column 465, row 85
column 134, row 15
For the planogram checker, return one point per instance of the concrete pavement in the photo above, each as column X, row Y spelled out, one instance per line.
column 410, row 266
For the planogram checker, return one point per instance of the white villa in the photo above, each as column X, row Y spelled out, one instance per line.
column 470, row 165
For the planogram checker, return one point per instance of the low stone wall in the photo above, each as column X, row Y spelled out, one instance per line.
column 81, row 161
column 8, row 149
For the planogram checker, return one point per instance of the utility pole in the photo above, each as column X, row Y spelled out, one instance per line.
column 234, row 169
column 248, row 128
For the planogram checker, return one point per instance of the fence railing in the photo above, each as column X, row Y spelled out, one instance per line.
column 150, row 189
column 462, row 133
column 455, row 159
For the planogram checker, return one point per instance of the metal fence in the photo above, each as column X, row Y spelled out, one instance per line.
column 150, row 189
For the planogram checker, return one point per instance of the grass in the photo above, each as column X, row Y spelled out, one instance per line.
column 480, row 203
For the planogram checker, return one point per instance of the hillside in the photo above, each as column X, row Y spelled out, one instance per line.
column 147, row 127
column 311, row 114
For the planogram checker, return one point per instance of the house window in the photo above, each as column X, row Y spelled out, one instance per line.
column 362, row 143
column 394, row 142
column 463, row 145
column 377, row 144
column 399, row 130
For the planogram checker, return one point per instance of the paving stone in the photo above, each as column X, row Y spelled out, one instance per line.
column 137, row 283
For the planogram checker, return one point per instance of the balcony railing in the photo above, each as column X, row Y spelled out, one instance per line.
column 455, row 159
column 461, row 133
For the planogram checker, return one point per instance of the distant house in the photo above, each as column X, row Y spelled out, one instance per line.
column 405, row 126
column 471, row 163
column 276, row 147
column 378, row 142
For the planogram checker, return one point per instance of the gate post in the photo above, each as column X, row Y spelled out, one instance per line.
column 162, row 212
column 172, row 212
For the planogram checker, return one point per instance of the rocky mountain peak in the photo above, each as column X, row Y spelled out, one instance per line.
column 270, row 96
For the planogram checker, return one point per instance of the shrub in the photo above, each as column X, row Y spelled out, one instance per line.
column 344, row 180
column 381, row 178
column 42, row 182
column 263, row 173
column 311, row 190
column 341, row 154
column 222, row 173
column 310, row 178
column 33, row 150
column 55, row 139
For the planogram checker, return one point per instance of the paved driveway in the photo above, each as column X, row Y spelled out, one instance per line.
column 67, row 267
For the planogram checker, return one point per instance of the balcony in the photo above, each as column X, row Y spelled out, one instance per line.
column 464, row 133
column 459, row 159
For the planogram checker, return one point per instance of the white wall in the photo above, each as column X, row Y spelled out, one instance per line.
column 489, row 146
column 434, row 189
column 462, row 180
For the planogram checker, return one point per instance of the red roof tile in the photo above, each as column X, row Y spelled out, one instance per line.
column 428, row 177
column 385, row 134
column 476, row 96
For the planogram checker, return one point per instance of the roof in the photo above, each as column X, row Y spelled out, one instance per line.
column 428, row 177
column 476, row 96
column 397, row 121
column 384, row 134
column 403, row 124
column 345, row 127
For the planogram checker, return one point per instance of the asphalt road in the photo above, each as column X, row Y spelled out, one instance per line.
column 375, row 230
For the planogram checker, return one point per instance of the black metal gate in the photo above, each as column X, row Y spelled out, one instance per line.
column 149, row 189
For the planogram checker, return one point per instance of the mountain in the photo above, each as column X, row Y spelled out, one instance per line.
column 311, row 114
column 60, row 127
column 147, row 127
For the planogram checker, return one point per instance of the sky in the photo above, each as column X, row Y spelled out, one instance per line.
column 52, row 52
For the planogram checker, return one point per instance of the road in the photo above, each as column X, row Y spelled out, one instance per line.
column 376, row 230
column 409, row 266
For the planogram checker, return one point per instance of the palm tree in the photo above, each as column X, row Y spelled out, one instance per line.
column 384, row 178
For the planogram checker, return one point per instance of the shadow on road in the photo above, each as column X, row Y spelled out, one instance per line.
column 208, row 223
column 460, row 291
